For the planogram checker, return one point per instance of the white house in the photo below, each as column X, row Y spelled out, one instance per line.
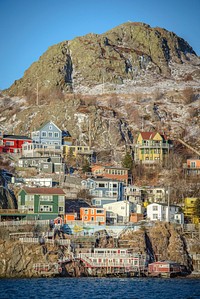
column 118, row 211
column 163, row 212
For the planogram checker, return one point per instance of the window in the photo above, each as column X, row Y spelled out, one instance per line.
column 61, row 209
column 50, row 127
column 100, row 211
column 50, row 134
column 193, row 164
column 56, row 134
column 101, row 185
column 46, row 209
column 44, row 134
column 155, row 216
column 85, row 217
column 46, row 197
column 155, row 208
column 9, row 143
column 29, row 197
column 114, row 185
column 92, row 211
column 29, row 208
column 86, row 211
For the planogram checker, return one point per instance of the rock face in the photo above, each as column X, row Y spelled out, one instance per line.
column 102, row 89
column 125, row 53
column 161, row 242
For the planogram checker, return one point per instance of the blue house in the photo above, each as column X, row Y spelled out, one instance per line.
column 48, row 134
column 104, row 190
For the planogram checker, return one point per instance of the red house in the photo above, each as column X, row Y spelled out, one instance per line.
column 164, row 268
column 13, row 143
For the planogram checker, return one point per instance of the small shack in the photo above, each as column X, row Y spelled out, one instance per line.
column 164, row 269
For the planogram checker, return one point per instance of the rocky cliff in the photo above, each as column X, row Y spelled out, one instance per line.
column 161, row 242
column 130, row 53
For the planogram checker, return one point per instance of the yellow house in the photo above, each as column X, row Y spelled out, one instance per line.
column 151, row 148
column 76, row 150
column 189, row 204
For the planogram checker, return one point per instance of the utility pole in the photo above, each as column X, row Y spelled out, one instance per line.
column 37, row 96
column 168, row 201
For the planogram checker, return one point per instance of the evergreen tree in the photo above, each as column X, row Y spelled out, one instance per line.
column 86, row 167
column 127, row 161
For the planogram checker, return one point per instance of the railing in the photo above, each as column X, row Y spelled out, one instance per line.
column 46, row 241
column 48, row 268
column 114, row 260
column 24, row 222
column 12, row 211
column 132, row 193
column 186, row 166
column 151, row 146
column 18, row 235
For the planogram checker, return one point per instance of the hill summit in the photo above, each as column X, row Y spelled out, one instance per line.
column 131, row 54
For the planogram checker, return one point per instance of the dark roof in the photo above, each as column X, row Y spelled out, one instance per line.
column 36, row 190
column 74, row 205
column 151, row 135
column 65, row 134
column 17, row 137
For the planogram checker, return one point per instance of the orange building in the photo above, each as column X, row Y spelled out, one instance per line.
column 111, row 172
column 192, row 167
column 93, row 215
column 70, row 217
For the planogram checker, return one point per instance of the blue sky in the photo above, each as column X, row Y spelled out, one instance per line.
column 29, row 27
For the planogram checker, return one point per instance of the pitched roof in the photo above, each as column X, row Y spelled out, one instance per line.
column 48, row 122
column 19, row 137
column 147, row 135
column 36, row 190
column 151, row 135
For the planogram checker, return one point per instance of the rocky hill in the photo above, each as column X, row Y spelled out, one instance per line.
column 104, row 88
column 130, row 54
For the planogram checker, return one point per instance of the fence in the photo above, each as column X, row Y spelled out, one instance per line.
column 65, row 242
column 24, row 222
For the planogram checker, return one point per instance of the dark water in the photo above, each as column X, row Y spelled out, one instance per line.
column 100, row 288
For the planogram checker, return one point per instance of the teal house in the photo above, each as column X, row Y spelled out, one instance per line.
column 41, row 203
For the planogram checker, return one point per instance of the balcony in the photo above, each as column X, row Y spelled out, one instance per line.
column 152, row 146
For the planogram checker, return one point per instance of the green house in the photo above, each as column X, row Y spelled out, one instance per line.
column 41, row 203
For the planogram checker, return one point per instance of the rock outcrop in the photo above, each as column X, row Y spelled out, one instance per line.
column 127, row 53
column 161, row 242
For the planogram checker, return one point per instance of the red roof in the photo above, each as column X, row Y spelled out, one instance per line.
column 36, row 190
column 151, row 135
